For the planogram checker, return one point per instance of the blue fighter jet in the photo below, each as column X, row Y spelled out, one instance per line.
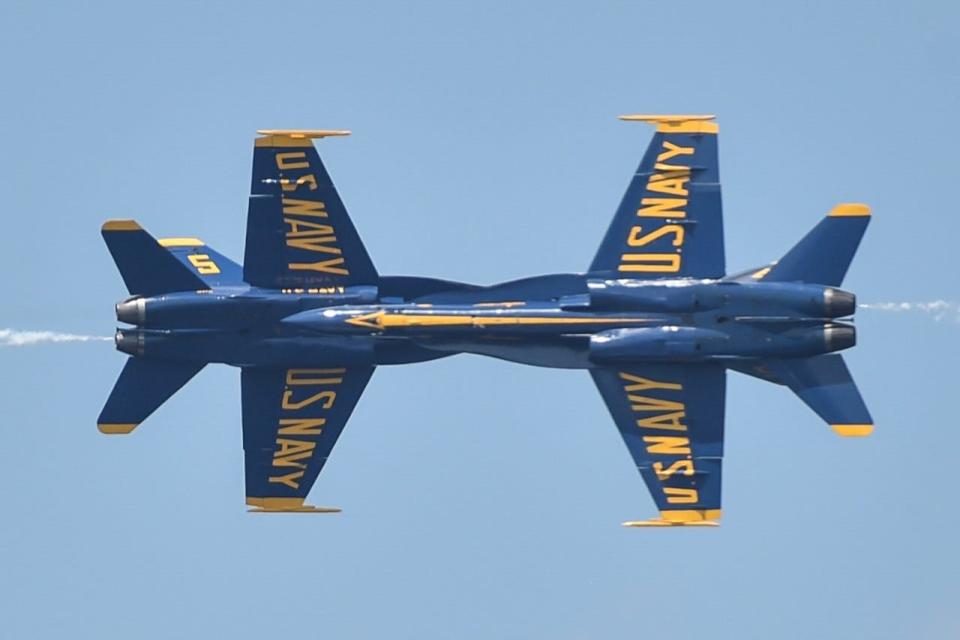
column 656, row 320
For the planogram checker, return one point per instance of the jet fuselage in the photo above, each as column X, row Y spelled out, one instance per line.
column 575, row 322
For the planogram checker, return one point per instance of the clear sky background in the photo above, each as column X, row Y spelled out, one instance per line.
column 481, row 499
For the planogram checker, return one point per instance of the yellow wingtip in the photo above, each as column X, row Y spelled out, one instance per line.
column 677, row 123
column 114, row 428
column 853, row 209
column 121, row 225
column 304, row 509
column 657, row 522
column 852, row 430
column 285, row 505
column 647, row 117
column 304, row 133
column 681, row 518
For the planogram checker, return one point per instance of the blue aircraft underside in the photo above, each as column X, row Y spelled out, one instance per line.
column 655, row 320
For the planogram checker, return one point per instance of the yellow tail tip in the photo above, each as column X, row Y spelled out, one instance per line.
column 852, row 430
column 121, row 225
column 114, row 428
column 847, row 209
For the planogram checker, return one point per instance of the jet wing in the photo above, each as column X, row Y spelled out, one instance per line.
column 671, row 419
column 292, row 418
column 299, row 234
column 670, row 222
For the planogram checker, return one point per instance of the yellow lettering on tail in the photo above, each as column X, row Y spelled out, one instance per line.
column 672, row 150
column 677, row 495
column 680, row 466
column 289, row 480
column 289, row 404
column 292, row 160
column 642, row 384
column 302, row 426
column 314, row 208
column 665, row 421
column 662, row 208
column 293, row 185
column 668, row 445
column 323, row 266
column 297, row 377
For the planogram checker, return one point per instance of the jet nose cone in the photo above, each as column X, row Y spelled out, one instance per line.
column 839, row 336
column 839, row 303
column 132, row 311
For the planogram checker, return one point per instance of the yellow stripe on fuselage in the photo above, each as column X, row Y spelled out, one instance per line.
column 385, row 320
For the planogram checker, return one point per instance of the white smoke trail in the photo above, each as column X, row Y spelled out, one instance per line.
column 14, row 338
column 937, row 309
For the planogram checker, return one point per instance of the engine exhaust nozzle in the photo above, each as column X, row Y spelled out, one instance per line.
column 129, row 342
column 839, row 336
column 132, row 311
column 839, row 303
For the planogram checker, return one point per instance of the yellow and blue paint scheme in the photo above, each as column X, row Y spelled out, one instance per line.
column 655, row 319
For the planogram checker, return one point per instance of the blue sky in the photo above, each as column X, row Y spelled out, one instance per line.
column 481, row 499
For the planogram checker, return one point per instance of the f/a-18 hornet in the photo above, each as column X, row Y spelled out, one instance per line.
column 655, row 319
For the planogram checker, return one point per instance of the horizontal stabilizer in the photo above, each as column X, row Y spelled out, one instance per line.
column 147, row 268
column 142, row 387
column 824, row 255
column 825, row 385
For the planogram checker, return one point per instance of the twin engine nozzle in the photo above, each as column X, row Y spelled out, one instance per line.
column 130, row 342
column 838, row 303
column 132, row 311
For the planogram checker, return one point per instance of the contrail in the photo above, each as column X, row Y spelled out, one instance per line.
column 14, row 338
column 937, row 309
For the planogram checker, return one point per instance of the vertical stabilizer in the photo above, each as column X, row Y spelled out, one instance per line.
column 146, row 268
